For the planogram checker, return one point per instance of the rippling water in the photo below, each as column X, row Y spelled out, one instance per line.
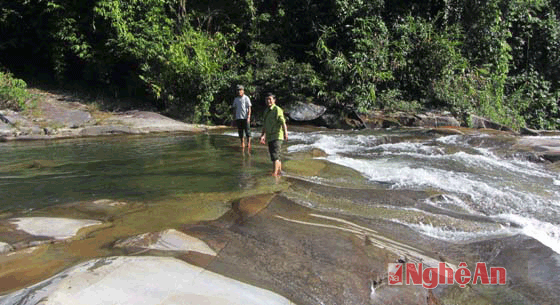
column 479, row 180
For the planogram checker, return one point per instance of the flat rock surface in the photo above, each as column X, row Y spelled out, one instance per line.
column 72, row 115
column 141, row 280
column 64, row 116
column 150, row 122
column 547, row 147
column 308, row 257
column 168, row 240
column 57, row 228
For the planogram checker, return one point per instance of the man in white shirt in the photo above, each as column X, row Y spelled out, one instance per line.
column 242, row 105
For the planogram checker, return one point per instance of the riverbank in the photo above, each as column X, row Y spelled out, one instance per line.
column 60, row 115
column 63, row 115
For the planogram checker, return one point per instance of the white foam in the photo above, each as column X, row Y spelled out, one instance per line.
column 453, row 235
column 450, row 140
column 482, row 182
column 408, row 147
column 547, row 233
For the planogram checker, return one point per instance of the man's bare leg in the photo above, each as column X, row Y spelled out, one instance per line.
column 277, row 168
column 242, row 142
column 249, row 143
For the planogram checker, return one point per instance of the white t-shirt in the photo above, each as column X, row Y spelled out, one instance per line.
column 241, row 104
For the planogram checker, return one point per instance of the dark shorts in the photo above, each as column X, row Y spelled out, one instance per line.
column 274, row 147
column 243, row 127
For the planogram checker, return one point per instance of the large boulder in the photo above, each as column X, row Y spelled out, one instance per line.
column 431, row 119
column 480, row 122
column 303, row 112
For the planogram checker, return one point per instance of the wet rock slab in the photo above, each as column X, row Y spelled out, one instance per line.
column 547, row 148
column 308, row 257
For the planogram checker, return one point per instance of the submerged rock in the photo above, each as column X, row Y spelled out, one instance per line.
column 141, row 280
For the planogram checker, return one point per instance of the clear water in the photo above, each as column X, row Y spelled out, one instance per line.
column 39, row 174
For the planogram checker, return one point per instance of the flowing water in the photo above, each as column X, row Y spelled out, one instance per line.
column 475, row 176
column 473, row 172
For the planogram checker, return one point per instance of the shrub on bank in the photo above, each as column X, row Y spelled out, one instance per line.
column 13, row 93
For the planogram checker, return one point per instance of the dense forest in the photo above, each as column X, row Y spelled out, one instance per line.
column 496, row 58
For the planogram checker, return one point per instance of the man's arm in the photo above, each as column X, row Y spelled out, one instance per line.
column 285, row 129
column 249, row 115
column 263, row 136
column 234, row 107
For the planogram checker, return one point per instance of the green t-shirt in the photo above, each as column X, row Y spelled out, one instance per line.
column 273, row 121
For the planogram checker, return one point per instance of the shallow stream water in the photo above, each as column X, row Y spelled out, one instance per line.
column 480, row 189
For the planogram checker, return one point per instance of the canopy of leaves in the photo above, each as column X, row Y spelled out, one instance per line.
column 497, row 58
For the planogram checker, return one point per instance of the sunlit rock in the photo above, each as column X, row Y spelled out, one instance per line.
column 56, row 228
column 305, row 111
column 141, row 280
column 4, row 247
column 146, row 122
column 169, row 240
column 547, row 148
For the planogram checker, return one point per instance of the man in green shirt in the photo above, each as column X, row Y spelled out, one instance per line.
column 274, row 132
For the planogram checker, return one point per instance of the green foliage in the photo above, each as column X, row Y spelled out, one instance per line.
column 535, row 39
column 534, row 98
column 13, row 93
column 289, row 80
column 496, row 58
column 356, row 72
column 190, row 73
column 423, row 58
